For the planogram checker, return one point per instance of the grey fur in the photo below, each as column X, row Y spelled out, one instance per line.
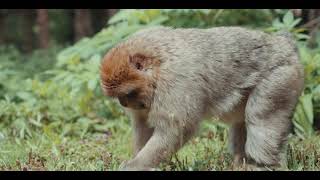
column 249, row 79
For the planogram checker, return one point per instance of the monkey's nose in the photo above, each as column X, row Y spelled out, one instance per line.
column 123, row 102
column 142, row 105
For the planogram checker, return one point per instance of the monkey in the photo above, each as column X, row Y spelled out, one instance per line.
column 169, row 79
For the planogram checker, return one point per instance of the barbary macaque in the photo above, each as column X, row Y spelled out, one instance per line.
column 169, row 80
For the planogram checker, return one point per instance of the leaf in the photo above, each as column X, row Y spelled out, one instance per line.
column 122, row 15
column 298, row 126
column 207, row 11
column 316, row 90
column 288, row 19
column 92, row 84
column 95, row 59
column 277, row 24
column 299, row 30
column 25, row 95
column 159, row 20
column 66, row 128
column 307, row 105
column 143, row 17
column 2, row 137
column 36, row 123
column 270, row 29
column 305, row 55
column 294, row 23
column 302, row 36
column 303, row 117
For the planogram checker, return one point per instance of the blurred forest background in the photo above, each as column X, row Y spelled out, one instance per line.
column 53, row 115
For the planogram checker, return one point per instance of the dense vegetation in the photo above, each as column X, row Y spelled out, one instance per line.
column 53, row 115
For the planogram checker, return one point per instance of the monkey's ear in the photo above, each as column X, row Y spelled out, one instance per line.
column 139, row 61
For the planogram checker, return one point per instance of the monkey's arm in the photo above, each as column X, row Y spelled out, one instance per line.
column 161, row 145
column 141, row 132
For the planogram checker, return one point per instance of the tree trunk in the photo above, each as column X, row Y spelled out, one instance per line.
column 112, row 12
column 297, row 12
column 2, row 23
column 82, row 23
column 314, row 14
column 310, row 21
column 100, row 18
column 106, row 17
column 43, row 24
column 28, row 36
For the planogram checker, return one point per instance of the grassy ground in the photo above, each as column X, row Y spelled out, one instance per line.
column 104, row 152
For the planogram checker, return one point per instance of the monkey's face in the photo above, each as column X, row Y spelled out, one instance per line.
column 133, row 99
column 127, row 78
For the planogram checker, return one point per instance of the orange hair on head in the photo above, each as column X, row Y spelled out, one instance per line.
column 116, row 70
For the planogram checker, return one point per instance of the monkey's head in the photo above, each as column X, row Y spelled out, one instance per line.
column 129, row 76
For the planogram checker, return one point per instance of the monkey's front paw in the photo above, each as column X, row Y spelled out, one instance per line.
column 137, row 169
column 130, row 166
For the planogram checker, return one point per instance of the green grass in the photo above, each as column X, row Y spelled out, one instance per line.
column 105, row 151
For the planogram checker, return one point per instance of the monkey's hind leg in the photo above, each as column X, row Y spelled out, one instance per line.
column 268, row 114
column 237, row 143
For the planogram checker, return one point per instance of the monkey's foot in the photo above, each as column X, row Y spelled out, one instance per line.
column 130, row 166
column 247, row 165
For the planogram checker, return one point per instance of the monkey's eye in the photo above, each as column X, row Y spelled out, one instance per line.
column 139, row 66
column 132, row 94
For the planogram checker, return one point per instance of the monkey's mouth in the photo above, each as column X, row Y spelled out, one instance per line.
column 142, row 105
column 123, row 102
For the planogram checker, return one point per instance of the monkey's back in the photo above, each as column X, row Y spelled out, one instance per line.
column 228, row 53
column 221, row 61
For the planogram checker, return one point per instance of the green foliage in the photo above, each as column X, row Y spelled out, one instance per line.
column 59, row 25
column 36, row 96
column 309, row 103
column 205, row 18
column 289, row 23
